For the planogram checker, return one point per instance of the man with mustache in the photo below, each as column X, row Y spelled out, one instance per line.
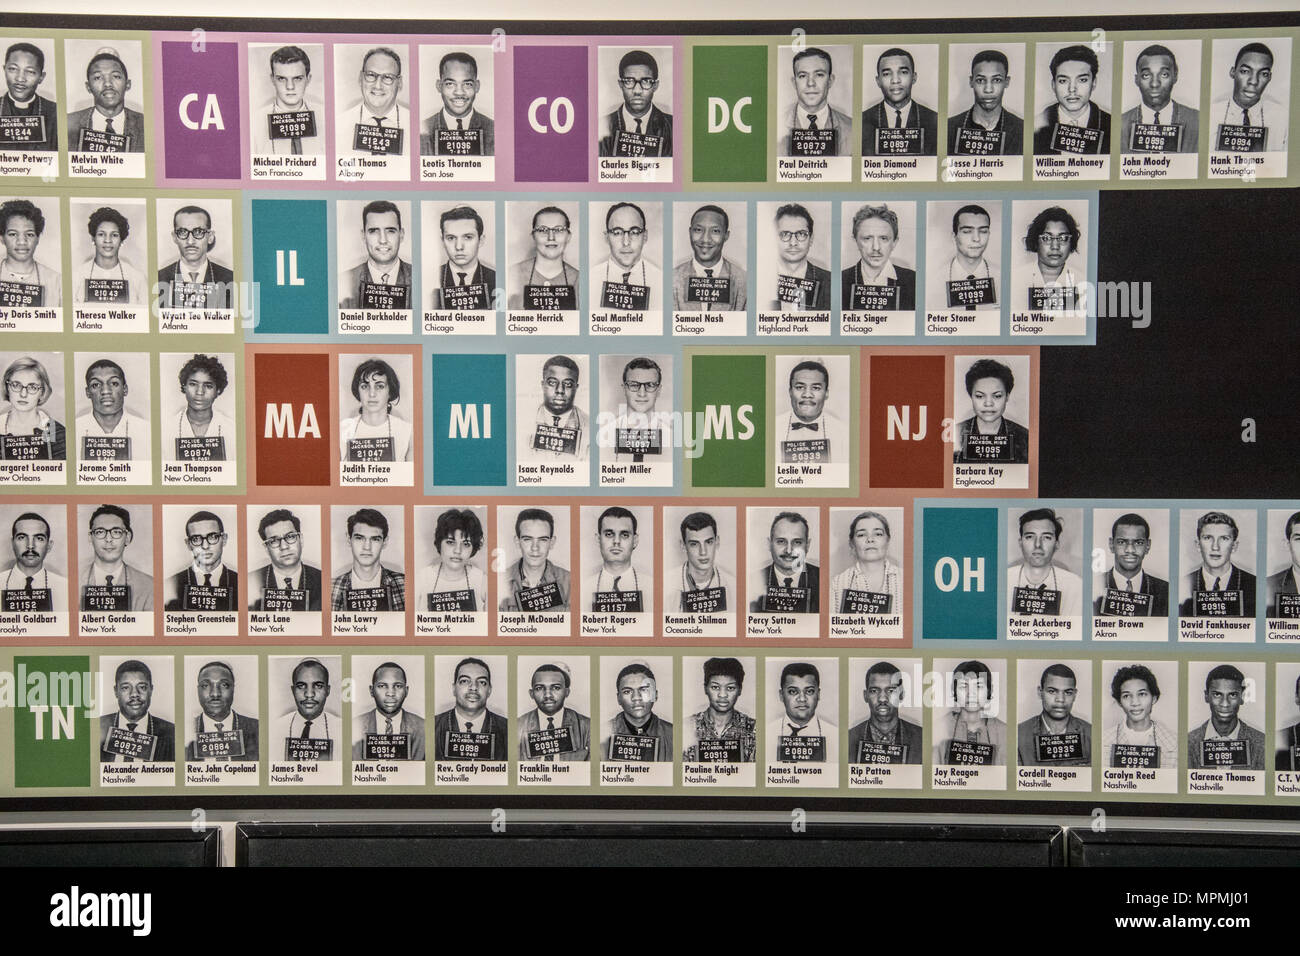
column 28, row 585
column 790, row 583
column 808, row 433
column 799, row 732
column 709, row 281
column 468, row 730
column 194, row 281
column 1074, row 123
column 306, row 732
column 131, row 734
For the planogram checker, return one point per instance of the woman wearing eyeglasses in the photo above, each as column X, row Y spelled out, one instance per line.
column 1056, row 277
column 27, row 431
column 544, row 281
column 375, row 433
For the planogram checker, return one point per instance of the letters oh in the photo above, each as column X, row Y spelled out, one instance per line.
column 959, row 599
column 552, row 132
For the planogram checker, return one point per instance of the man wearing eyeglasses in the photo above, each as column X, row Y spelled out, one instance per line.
column 108, row 432
column 28, row 584
column 801, row 284
column 376, row 125
column 638, row 127
column 709, row 281
column 194, row 281
column 458, row 129
column 640, row 429
column 383, row 279
column 468, row 730
column 545, row 282
column 286, row 584
column 618, row 586
column 207, row 584
column 626, row 281
column 109, row 583
column 560, row 426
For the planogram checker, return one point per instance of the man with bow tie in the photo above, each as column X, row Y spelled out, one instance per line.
column 808, row 433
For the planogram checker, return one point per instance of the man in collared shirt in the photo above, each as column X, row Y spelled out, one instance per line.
column 1037, row 585
column 194, row 281
column 637, row 733
column 542, row 730
column 1282, row 587
column 286, row 584
column 131, row 727
column 24, row 73
column 807, row 433
column 701, row 586
column 367, row 584
column 627, row 281
column 389, row 717
column 468, row 730
column 533, row 583
column 801, row 285
column 109, row 432
column 884, row 737
column 458, row 85
column 1074, row 77
column 1156, row 75
column 969, row 279
column 109, row 125
column 109, row 583
column 1055, row 737
column 383, row 279
column 790, row 583
column 217, row 720
column 799, row 724
column 638, row 127
column 288, row 126
column 618, row 585
column 464, row 282
column 310, row 684
column 377, row 124
column 720, row 732
column 886, row 124
column 1249, row 106
column 641, row 432
column 875, row 282
column 560, row 426
column 812, row 76
column 1126, row 582
column 207, row 584
column 988, row 128
column 709, row 268
column 28, row 584
column 1218, row 587
column 1225, row 740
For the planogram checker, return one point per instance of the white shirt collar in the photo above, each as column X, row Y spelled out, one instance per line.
column 892, row 114
column 380, row 717
column 392, row 118
column 210, row 725
column 99, row 572
column 216, row 572
column 1212, row 734
column 719, row 268
column 141, row 725
column 823, row 116
column 278, row 576
column 184, row 270
column 449, row 121
column 99, row 122
column 377, row 271
column 630, row 121
column 476, row 723
column 542, row 718
column 1149, row 115
column 1117, row 580
column 887, row 273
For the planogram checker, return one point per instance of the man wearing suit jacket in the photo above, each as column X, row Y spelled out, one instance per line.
column 1074, row 74
column 462, row 234
column 638, row 127
column 813, row 77
column 871, row 740
column 133, row 689
column 896, row 75
column 207, row 584
column 1126, row 582
column 216, row 687
column 1216, row 538
column 1156, row 75
column 287, row 584
column 710, row 230
column 458, row 84
column 549, row 689
column 389, row 716
column 790, row 578
column 24, row 72
column 875, row 231
column 383, row 267
column 194, row 281
column 470, row 718
column 809, row 288
column 109, row 125
column 990, row 73
column 1224, row 692
column 1285, row 581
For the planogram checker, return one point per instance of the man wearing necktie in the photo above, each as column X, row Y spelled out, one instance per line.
column 109, row 582
column 468, row 730
column 288, row 125
column 220, row 732
column 805, row 122
column 129, row 731
column 1038, row 581
column 887, row 124
column 1249, row 119
column 541, row 730
column 108, row 123
column 287, row 577
column 1127, row 589
column 29, row 584
column 808, row 433
column 1218, row 587
column 464, row 282
column 790, row 583
column 443, row 132
column 627, row 281
column 378, row 124
column 383, row 279
column 308, row 720
column 389, row 718
column 1145, row 127
column 617, row 581
column 798, row 725
column 207, row 585
column 194, row 280
column 638, row 128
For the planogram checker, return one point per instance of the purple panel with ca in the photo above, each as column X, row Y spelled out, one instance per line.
column 201, row 110
column 551, row 136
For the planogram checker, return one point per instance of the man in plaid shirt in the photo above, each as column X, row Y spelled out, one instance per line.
column 367, row 585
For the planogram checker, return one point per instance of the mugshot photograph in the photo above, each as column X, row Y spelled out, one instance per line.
column 636, row 422
column 373, row 118
column 617, row 547
column 286, row 94
column 1136, row 584
column 990, row 434
column 27, row 280
column 1135, row 737
column 469, row 728
column 802, row 706
column 1287, row 716
column 640, row 703
column 203, row 236
column 699, row 557
column 1220, row 735
column 138, row 723
column 971, row 731
column 220, row 703
column 380, row 430
column 550, row 406
column 543, row 273
column 1052, row 276
column 882, row 277
column 308, row 723
column 36, row 579
column 530, row 580
column 711, row 277
column 196, row 412
column 963, row 273
column 284, row 558
column 29, row 118
column 813, row 426
column 867, row 577
column 1072, row 95
column 1160, row 114
column 812, row 109
column 720, row 730
column 203, row 541
column 460, row 88
column 1045, row 552
column 791, row 252
column 453, row 543
column 107, row 428
column 890, row 733
column 1220, row 546
column 31, row 406
column 1054, row 728
column 116, row 572
column 368, row 554
column 625, row 274
column 633, row 124
column 986, row 99
column 895, row 82
column 465, row 282
column 1250, row 94
column 109, row 273
column 375, row 231
column 1282, row 587
column 783, row 577
column 105, row 96
column 553, row 703
column 390, row 724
